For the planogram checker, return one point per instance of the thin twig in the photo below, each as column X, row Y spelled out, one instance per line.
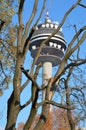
column 82, row 5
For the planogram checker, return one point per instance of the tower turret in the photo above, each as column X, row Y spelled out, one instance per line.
column 54, row 50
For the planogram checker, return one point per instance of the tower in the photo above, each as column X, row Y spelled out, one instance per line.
column 54, row 49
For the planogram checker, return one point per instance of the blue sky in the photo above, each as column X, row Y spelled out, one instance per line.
column 57, row 9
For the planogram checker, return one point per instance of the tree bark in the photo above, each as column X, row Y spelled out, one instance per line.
column 71, row 122
column 12, row 113
column 43, row 117
column 14, row 100
column 69, row 114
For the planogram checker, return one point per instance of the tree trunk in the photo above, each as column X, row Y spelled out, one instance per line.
column 69, row 115
column 29, row 122
column 33, row 112
column 12, row 113
column 43, row 117
column 14, row 100
column 71, row 122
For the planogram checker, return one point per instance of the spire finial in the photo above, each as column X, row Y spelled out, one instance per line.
column 47, row 14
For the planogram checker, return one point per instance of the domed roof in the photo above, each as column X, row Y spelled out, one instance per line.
column 48, row 24
column 47, row 27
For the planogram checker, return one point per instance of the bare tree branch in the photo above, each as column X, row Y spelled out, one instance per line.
column 26, row 104
column 79, row 89
column 37, row 71
column 69, row 114
column 74, row 38
column 27, row 75
column 55, row 104
column 30, row 21
column 31, row 77
column 75, row 64
column 26, row 44
column 82, row 5
column 62, row 67
column 43, row 7
column 77, row 41
column 20, row 29
column 35, row 76
column 24, row 85
column 76, row 46
column 21, row 5
column 67, row 55
column 68, row 66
